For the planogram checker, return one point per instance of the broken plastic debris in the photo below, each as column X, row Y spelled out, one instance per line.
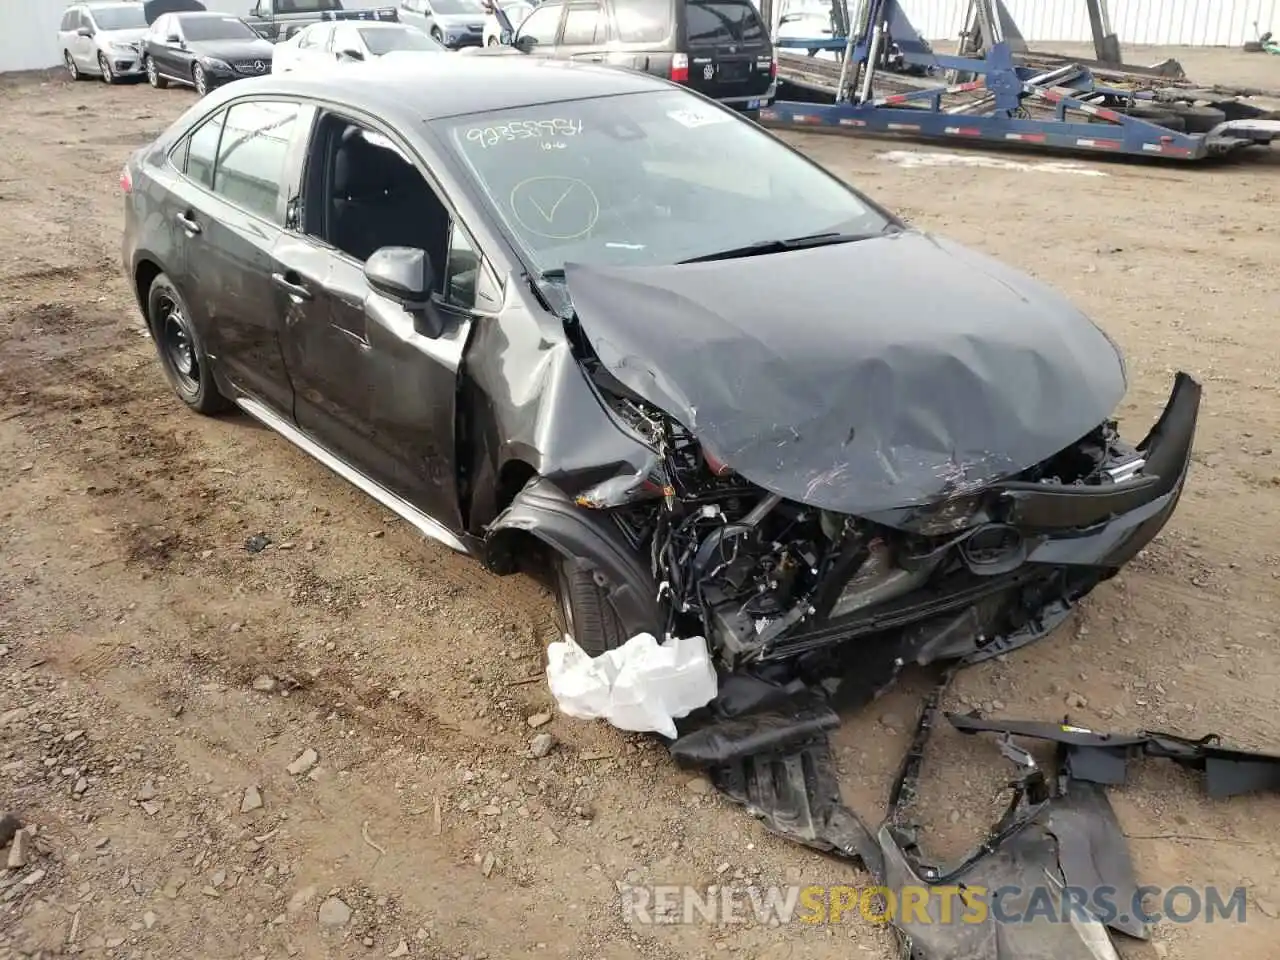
column 641, row 686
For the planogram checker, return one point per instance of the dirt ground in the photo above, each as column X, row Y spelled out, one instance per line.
column 157, row 680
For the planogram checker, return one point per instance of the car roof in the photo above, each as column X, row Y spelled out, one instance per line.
column 432, row 88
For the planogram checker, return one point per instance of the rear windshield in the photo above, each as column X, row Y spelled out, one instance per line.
column 384, row 41
column 722, row 21
column 216, row 28
column 119, row 18
column 306, row 6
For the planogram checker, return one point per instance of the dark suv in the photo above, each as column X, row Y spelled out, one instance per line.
column 720, row 48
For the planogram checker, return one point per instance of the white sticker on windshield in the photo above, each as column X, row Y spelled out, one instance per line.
column 694, row 117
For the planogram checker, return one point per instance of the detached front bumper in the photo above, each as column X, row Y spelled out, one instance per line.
column 125, row 62
column 1072, row 539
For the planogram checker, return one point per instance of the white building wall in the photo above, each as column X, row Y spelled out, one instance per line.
column 28, row 28
column 1207, row 23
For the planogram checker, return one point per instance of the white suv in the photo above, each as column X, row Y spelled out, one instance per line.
column 103, row 39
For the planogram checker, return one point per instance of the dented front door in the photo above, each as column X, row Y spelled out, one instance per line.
column 368, row 386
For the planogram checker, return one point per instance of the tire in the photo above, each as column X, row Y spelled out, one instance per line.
column 105, row 66
column 493, row 42
column 200, row 79
column 181, row 353
column 72, row 70
column 153, row 75
column 586, row 614
column 437, row 36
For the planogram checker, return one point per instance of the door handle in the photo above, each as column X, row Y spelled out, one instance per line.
column 188, row 222
column 598, row 58
column 295, row 289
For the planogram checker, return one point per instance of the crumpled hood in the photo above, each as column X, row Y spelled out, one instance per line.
column 859, row 377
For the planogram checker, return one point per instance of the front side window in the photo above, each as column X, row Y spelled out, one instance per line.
column 346, row 38
column 197, row 29
column 541, row 25
column 645, row 179
column 642, row 21
column 70, row 20
column 583, row 25
column 387, row 40
column 202, row 150
column 120, row 18
column 252, row 155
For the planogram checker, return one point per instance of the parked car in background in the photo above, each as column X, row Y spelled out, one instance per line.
column 204, row 50
column 281, row 19
column 103, row 39
column 454, row 23
column 517, row 11
column 720, row 48
column 554, row 315
column 326, row 46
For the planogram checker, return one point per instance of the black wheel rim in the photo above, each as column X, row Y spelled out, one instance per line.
column 175, row 344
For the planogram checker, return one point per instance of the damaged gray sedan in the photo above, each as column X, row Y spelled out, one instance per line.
column 559, row 311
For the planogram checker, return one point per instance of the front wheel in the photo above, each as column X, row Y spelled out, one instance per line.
column 200, row 79
column 104, row 65
column 437, row 36
column 493, row 42
column 153, row 75
column 182, row 356
column 586, row 613
column 72, row 69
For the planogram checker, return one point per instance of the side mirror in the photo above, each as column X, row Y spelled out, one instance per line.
column 84, row 32
column 525, row 43
column 351, row 55
column 404, row 275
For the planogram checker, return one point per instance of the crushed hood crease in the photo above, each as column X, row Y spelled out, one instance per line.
column 903, row 370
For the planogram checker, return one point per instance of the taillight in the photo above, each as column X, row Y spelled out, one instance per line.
column 126, row 179
column 680, row 68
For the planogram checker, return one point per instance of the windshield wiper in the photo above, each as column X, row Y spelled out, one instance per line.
column 781, row 246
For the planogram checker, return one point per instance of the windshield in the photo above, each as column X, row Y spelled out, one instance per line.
column 119, row 18
column 307, row 6
column 386, row 40
column 216, row 28
column 449, row 7
column 645, row 179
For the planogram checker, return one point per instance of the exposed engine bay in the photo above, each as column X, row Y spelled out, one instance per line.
column 747, row 567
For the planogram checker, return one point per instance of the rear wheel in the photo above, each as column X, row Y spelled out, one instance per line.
column 186, row 366
column 586, row 613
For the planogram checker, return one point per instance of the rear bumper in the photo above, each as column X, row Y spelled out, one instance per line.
column 757, row 102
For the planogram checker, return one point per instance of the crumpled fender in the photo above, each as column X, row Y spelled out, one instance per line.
column 589, row 539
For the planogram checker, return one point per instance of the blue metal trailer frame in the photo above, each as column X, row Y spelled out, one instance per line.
column 1006, row 86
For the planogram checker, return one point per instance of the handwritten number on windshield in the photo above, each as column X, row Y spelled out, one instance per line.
column 546, row 130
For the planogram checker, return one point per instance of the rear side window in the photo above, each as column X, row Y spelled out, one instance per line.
column 643, row 21
column 583, row 25
column 202, row 149
column 252, row 155
column 722, row 21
